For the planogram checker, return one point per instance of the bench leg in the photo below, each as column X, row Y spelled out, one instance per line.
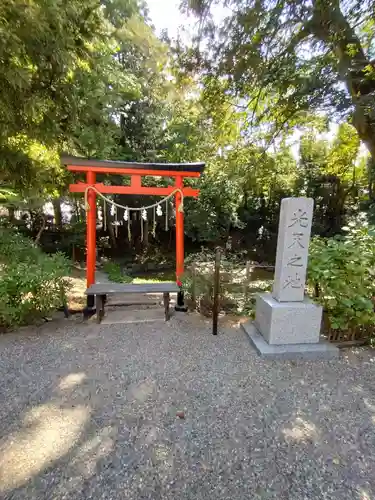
column 99, row 307
column 166, row 305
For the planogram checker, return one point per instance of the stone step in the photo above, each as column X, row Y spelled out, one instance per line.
column 131, row 299
column 124, row 316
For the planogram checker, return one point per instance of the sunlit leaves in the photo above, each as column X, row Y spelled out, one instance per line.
column 283, row 59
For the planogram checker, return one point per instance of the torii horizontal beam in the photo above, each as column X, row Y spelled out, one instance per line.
column 132, row 171
column 138, row 167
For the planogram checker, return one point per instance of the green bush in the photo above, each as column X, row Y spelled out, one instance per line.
column 237, row 289
column 341, row 272
column 115, row 274
column 16, row 247
column 32, row 284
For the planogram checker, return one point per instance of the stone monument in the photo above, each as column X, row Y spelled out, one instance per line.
column 287, row 323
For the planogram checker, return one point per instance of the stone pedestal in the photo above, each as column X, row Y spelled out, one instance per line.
column 309, row 352
column 287, row 322
column 288, row 330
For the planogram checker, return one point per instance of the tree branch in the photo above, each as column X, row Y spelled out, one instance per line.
column 38, row 236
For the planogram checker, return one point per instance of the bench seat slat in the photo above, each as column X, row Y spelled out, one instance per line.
column 108, row 288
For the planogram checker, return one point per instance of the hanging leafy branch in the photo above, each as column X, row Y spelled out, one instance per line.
column 295, row 57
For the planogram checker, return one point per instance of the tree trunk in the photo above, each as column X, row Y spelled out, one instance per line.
column 82, row 212
column 11, row 214
column 370, row 177
column 76, row 217
column 331, row 27
column 110, row 228
column 137, row 233
column 145, row 235
column 42, row 228
column 57, row 212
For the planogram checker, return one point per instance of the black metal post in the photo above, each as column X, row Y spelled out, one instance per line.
column 215, row 309
column 180, row 305
column 90, row 308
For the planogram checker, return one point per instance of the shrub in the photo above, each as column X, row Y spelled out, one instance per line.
column 115, row 274
column 237, row 287
column 341, row 272
column 32, row 284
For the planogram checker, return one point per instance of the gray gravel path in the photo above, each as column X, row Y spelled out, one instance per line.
column 89, row 412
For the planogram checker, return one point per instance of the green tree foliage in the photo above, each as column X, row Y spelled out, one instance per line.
column 243, row 186
column 107, row 87
column 284, row 58
column 43, row 44
column 331, row 174
column 63, row 80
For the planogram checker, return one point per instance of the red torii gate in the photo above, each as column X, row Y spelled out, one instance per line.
column 136, row 171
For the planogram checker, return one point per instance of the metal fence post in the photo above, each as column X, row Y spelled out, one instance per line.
column 215, row 309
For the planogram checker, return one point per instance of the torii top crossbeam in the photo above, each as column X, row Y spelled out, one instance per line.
column 136, row 171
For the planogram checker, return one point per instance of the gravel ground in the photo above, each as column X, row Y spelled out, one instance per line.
column 89, row 412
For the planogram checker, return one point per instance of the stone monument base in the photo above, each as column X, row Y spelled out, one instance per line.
column 283, row 323
column 320, row 351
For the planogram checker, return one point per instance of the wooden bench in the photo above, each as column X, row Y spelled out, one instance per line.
column 101, row 290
